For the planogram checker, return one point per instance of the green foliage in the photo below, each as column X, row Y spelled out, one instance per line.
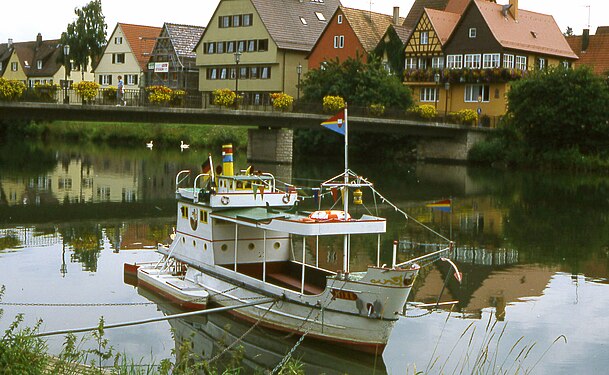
column 224, row 97
column 465, row 117
column 46, row 91
column 86, row 36
column 109, row 93
column 20, row 353
column 282, row 101
column 333, row 103
column 11, row 90
column 177, row 98
column 360, row 84
column 377, row 110
column 86, row 89
column 394, row 50
column 557, row 109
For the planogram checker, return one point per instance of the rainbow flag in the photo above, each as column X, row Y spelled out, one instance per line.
column 443, row 205
column 336, row 123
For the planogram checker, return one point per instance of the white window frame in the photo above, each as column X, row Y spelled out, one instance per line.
column 508, row 61
column 428, row 94
column 565, row 64
column 339, row 19
column 454, row 61
column 472, row 61
column 115, row 58
column 521, row 62
column 320, row 16
column 39, row 64
column 131, row 79
column 303, row 20
column 437, row 62
column 424, row 37
column 472, row 92
column 339, row 41
column 422, row 63
column 410, row 63
column 118, row 40
column 14, row 66
column 472, row 32
column 105, row 79
column 541, row 62
column 491, row 60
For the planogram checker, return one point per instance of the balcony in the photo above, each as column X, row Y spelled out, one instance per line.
column 494, row 75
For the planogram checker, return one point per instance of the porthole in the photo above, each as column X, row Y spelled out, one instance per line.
column 205, row 246
column 183, row 240
column 251, row 246
column 194, row 243
column 276, row 245
column 224, row 247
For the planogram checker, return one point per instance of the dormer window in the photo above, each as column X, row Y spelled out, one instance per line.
column 472, row 32
column 39, row 64
column 320, row 16
column 26, row 63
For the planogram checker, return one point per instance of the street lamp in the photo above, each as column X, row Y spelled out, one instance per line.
column 237, row 59
column 436, row 78
column 66, row 53
column 447, row 88
column 299, row 71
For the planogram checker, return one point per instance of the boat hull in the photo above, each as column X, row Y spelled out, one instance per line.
column 175, row 289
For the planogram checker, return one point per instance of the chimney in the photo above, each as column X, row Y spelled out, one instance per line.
column 38, row 40
column 10, row 43
column 514, row 9
column 585, row 39
column 396, row 15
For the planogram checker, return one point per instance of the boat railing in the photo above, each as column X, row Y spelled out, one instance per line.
column 426, row 259
column 179, row 180
column 195, row 184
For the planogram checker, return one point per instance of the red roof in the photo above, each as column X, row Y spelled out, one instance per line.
column 141, row 39
column 596, row 55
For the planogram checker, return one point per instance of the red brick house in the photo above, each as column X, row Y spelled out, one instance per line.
column 592, row 50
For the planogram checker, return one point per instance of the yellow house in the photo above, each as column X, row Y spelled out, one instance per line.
column 36, row 62
column 258, row 47
column 466, row 59
column 126, row 54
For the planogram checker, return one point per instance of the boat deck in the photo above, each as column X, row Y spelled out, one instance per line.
column 287, row 275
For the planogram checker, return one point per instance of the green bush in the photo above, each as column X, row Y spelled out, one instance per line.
column 87, row 90
column 465, row 117
column 224, row 97
column 282, row 101
column 377, row 110
column 332, row 103
column 11, row 90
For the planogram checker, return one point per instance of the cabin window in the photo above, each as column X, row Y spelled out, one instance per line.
column 203, row 216
column 473, row 92
column 521, row 62
column 424, row 37
column 276, row 245
column 508, row 61
column 224, row 247
column 428, row 94
column 184, row 212
column 251, row 246
column 472, row 32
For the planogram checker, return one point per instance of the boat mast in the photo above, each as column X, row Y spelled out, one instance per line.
column 346, row 194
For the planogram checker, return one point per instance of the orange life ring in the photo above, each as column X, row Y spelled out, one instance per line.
column 329, row 215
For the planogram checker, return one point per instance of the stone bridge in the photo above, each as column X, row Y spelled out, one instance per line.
column 271, row 138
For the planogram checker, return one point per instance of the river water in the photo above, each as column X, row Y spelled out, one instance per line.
column 533, row 249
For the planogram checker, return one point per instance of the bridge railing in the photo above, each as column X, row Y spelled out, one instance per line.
column 198, row 100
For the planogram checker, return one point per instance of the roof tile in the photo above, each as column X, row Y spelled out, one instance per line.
column 141, row 39
column 369, row 27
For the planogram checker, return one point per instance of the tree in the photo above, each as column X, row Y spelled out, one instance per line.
column 86, row 36
column 561, row 109
column 360, row 84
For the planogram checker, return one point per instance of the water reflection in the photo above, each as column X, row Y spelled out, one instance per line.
column 523, row 239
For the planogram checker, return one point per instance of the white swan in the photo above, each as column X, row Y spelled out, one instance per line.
column 183, row 145
column 150, row 145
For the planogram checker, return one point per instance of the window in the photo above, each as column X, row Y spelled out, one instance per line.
column 0, row 66
column 521, row 62
column 265, row 72
column 508, row 61
column 230, row 47
column 473, row 92
column 339, row 19
column 424, row 37
column 251, row 46
column 320, row 16
column 211, row 48
column 220, row 47
column 472, row 32
column 118, row 58
column 437, row 62
column 472, row 61
column 339, row 41
column 14, row 66
column 454, row 61
column 247, row 19
column 241, row 45
column 224, row 21
column 39, row 64
column 541, row 63
column 253, row 72
column 422, row 63
column 237, row 20
column 131, row 79
column 118, row 40
column 243, row 72
column 263, row 45
column 212, row 73
column 223, row 73
column 565, row 64
column 105, row 79
column 304, row 22
column 411, row 63
column 428, row 94
column 203, row 216
column 490, row 60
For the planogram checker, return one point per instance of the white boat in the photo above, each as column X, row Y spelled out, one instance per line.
column 242, row 238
